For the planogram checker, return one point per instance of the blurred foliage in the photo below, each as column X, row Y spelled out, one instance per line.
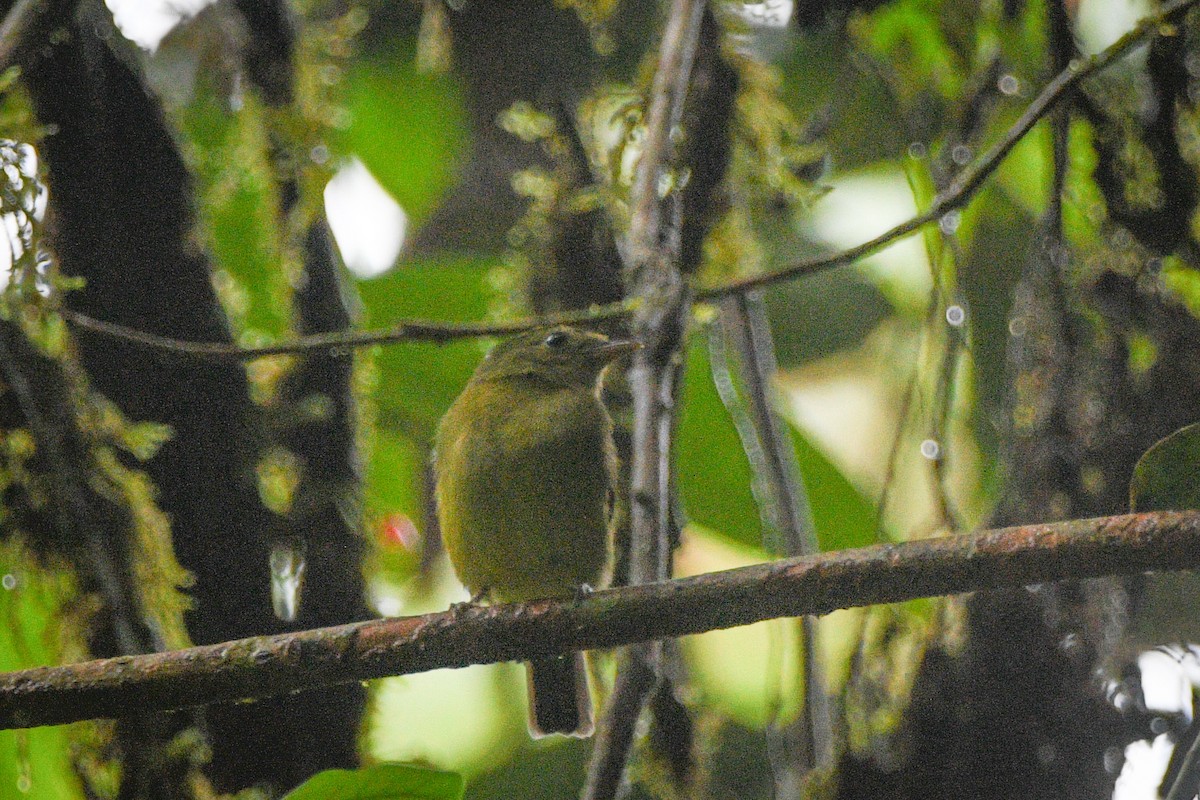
column 39, row 627
column 715, row 477
column 230, row 156
column 391, row 781
column 412, row 141
column 903, row 94
column 1167, row 476
column 71, row 465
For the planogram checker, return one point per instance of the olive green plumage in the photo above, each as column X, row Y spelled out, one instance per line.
column 525, row 464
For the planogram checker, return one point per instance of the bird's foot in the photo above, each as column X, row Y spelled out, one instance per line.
column 461, row 608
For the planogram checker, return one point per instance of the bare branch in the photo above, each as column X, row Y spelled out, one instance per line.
column 1188, row 778
column 785, row 509
column 271, row 665
column 652, row 270
column 415, row 330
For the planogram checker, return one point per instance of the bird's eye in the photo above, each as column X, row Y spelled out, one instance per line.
column 555, row 339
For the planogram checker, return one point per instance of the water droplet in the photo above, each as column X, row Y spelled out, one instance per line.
column 917, row 150
column 960, row 154
column 24, row 784
column 1008, row 84
column 1047, row 753
column 956, row 315
column 931, row 450
column 319, row 154
column 949, row 222
column 287, row 578
column 1075, row 65
column 1158, row 726
column 9, row 581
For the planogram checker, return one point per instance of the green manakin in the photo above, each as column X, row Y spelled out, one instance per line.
column 525, row 466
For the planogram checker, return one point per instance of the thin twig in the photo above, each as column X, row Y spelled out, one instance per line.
column 265, row 666
column 415, row 330
column 1187, row 782
column 943, row 407
column 964, row 186
column 893, row 458
column 958, row 194
column 746, row 323
column 17, row 21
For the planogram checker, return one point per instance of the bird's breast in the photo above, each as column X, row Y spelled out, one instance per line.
column 522, row 490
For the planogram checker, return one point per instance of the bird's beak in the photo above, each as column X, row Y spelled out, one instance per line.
column 615, row 348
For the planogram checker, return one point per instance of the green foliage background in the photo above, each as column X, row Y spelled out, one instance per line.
column 870, row 369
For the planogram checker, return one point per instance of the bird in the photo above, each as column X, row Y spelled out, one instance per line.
column 525, row 468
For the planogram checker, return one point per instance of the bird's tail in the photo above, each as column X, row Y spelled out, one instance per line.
column 560, row 700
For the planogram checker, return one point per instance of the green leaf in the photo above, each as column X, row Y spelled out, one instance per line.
column 412, row 386
column 418, row 380
column 715, row 477
column 851, row 307
column 843, row 517
column 987, row 283
column 918, row 40
column 34, row 604
column 408, row 127
column 713, row 472
column 144, row 439
column 1167, row 476
column 815, row 77
column 392, row 472
column 393, row 499
column 381, row 782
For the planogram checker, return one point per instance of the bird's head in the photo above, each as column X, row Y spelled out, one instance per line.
column 561, row 355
